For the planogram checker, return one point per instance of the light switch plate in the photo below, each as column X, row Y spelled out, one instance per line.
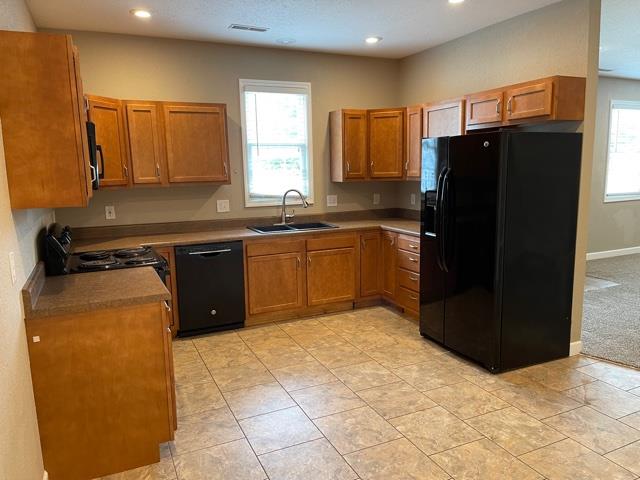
column 12, row 266
column 110, row 212
column 376, row 199
column 332, row 200
column 223, row 206
column 413, row 199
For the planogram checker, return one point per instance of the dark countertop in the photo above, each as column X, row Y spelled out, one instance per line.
column 79, row 293
column 409, row 227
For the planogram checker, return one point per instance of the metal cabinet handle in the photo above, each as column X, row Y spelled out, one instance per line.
column 413, row 297
column 371, row 164
column 348, row 166
column 166, row 305
column 509, row 104
column 498, row 107
column 94, row 174
column 411, row 245
column 168, row 329
column 309, row 261
column 298, row 261
column 157, row 169
column 406, row 166
column 126, row 171
column 414, row 260
column 226, row 172
column 413, row 279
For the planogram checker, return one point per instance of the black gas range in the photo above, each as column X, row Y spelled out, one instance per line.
column 60, row 260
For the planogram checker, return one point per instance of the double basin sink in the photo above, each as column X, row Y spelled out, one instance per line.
column 291, row 227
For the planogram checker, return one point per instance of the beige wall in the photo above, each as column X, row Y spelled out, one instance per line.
column 150, row 68
column 20, row 455
column 612, row 225
column 549, row 41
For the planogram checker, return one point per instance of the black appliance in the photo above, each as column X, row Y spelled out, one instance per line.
column 59, row 260
column 498, row 232
column 211, row 285
column 97, row 172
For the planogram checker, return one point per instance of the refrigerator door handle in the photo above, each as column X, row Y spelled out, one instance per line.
column 438, row 215
column 444, row 219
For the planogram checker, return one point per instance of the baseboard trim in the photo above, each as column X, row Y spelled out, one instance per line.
column 613, row 253
column 575, row 348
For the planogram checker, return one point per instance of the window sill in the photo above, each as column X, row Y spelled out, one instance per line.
column 622, row 198
column 275, row 203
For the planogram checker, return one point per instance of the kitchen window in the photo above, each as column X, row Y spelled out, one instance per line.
column 623, row 161
column 276, row 140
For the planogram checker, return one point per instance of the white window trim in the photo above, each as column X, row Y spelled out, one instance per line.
column 619, row 197
column 279, row 86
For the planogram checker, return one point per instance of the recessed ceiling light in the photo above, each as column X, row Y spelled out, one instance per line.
column 285, row 41
column 373, row 40
column 140, row 13
column 456, row 1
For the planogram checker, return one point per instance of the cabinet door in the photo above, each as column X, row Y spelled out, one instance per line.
column 196, row 139
column 145, row 143
column 108, row 117
column 331, row 276
column 172, row 285
column 484, row 108
column 414, row 142
column 389, row 263
column 84, row 160
column 386, row 143
column 443, row 119
column 370, row 268
column 354, row 143
column 534, row 100
column 275, row 282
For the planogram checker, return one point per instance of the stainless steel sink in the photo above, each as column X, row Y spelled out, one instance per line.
column 291, row 227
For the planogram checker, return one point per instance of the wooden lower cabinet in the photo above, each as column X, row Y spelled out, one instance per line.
column 104, row 389
column 389, row 264
column 331, row 276
column 370, row 264
column 275, row 282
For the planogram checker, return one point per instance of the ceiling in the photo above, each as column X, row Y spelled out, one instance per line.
column 620, row 38
column 338, row 26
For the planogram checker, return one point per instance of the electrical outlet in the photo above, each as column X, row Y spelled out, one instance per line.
column 222, row 206
column 332, row 200
column 413, row 199
column 12, row 267
column 376, row 199
column 110, row 212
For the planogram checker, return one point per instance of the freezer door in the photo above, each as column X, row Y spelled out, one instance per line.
column 434, row 164
column 470, row 219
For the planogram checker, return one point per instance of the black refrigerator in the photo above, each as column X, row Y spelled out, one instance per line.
column 498, row 231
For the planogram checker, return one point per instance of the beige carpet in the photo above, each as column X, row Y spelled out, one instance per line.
column 611, row 319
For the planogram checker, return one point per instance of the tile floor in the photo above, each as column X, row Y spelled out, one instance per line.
column 361, row 395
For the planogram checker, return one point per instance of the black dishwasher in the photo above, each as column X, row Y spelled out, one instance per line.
column 210, row 287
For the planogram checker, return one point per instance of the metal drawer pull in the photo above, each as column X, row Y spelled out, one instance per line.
column 157, row 169
column 166, row 305
column 411, row 245
column 224, row 250
column 412, row 297
column 413, row 279
column 414, row 260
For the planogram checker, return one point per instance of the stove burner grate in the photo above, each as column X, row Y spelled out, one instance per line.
column 99, row 255
column 97, row 264
column 132, row 252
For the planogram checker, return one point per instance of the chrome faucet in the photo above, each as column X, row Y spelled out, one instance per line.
column 285, row 217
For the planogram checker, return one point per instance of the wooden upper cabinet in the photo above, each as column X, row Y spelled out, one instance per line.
column 275, row 282
column 386, row 143
column 555, row 98
column 484, row 108
column 145, row 142
column 414, row 142
column 389, row 263
column 331, row 276
column 443, row 119
column 196, row 142
column 111, row 136
column 370, row 264
column 348, row 145
column 43, row 121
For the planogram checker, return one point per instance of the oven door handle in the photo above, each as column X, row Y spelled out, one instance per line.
column 211, row 252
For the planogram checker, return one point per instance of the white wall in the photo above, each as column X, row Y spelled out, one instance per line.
column 20, row 454
column 613, row 225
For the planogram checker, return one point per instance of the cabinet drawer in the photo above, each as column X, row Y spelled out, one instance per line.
column 330, row 242
column 408, row 243
column 408, row 299
column 409, row 261
column 409, row 280
column 273, row 247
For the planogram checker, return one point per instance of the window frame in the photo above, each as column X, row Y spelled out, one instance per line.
column 614, row 198
column 278, row 86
